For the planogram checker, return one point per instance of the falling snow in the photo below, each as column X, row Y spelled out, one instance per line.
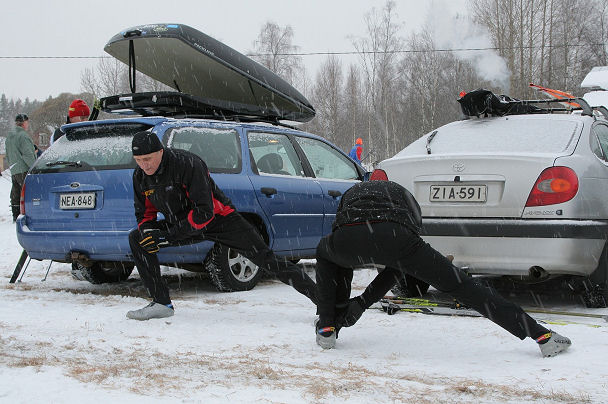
column 63, row 340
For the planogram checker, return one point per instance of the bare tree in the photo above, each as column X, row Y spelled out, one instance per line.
column 552, row 42
column 109, row 77
column 327, row 98
column 353, row 106
column 274, row 49
column 379, row 59
column 430, row 85
column 53, row 113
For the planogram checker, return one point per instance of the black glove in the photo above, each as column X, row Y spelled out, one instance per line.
column 153, row 239
column 353, row 312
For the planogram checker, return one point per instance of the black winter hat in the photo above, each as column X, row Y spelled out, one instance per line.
column 21, row 118
column 145, row 143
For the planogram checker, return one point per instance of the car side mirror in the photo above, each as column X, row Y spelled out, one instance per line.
column 367, row 175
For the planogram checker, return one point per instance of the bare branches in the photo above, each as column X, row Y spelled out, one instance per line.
column 273, row 48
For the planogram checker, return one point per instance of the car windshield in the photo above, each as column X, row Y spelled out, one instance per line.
column 219, row 148
column 500, row 135
column 96, row 147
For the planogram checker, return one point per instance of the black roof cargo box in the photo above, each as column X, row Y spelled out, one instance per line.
column 194, row 63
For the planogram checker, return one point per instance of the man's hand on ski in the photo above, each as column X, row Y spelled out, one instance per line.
column 153, row 239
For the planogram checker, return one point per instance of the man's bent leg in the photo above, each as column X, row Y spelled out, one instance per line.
column 149, row 270
column 237, row 233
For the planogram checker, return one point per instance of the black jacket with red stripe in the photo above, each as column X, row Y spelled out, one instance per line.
column 183, row 191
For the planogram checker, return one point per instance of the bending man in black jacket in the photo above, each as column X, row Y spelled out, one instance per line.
column 378, row 222
column 177, row 184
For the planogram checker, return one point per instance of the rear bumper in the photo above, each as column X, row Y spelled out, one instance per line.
column 513, row 246
column 111, row 245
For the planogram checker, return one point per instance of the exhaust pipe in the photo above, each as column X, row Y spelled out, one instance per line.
column 537, row 273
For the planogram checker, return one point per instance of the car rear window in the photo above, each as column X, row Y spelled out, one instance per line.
column 510, row 135
column 219, row 148
column 96, row 147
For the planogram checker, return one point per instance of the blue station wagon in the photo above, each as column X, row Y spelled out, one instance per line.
column 78, row 197
column 77, row 200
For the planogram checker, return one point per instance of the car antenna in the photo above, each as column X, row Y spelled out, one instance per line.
column 428, row 142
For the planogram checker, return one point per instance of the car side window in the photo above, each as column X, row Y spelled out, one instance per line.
column 219, row 148
column 273, row 154
column 599, row 142
column 326, row 161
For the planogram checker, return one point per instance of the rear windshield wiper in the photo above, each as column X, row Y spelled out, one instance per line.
column 428, row 142
column 64, row 163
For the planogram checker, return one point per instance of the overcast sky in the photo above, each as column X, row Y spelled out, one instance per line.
column 74, row 28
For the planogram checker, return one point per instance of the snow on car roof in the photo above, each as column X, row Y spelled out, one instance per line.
column 512, row 134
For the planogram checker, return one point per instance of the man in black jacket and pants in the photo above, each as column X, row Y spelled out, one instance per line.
column 177, row 184
column 378, row 222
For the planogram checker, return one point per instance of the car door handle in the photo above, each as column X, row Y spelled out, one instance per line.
column 334, row 193
column 268, row 191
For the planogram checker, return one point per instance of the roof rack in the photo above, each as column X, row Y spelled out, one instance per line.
column 583, row 105
column 484, row 102
column 180, row 105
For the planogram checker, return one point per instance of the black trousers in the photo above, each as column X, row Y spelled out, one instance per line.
column 401, row 251
column 17, row 180
column 232, row 231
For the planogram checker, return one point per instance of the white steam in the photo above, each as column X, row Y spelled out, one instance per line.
column 455, row 30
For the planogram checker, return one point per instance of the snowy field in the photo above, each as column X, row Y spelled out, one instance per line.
column 67, row 341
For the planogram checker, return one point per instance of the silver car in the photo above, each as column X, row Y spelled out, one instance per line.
column 521, row 195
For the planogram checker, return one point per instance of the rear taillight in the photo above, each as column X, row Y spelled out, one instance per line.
column 22, row 200
column 554, row 185
column 378, row 175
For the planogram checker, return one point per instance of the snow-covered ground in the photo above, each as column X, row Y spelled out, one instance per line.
column 68, row 341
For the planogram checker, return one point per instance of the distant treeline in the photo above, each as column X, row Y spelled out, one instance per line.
column 402, row 87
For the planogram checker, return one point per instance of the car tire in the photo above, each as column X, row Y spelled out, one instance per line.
column 408, row 286
column 595, row 289
column 231, row 271
column 595, row 296
column 97, row 273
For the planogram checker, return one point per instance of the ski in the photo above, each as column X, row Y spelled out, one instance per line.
column 392, row 306
column 562, row 322
column 455, row 304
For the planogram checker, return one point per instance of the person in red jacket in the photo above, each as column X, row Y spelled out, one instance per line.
column 177, row 184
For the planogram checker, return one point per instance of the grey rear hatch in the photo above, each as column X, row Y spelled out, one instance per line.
column 496, row 160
